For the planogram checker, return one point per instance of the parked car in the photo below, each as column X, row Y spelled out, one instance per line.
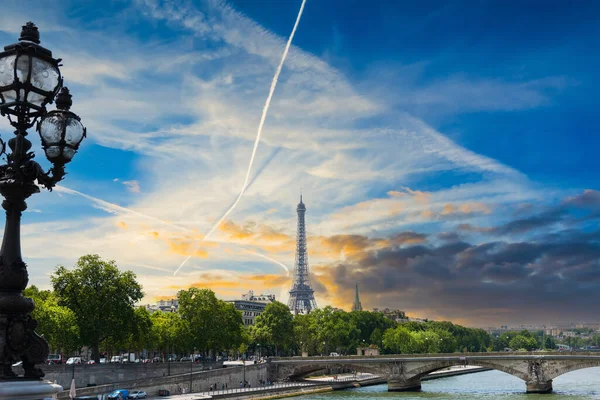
column 103, row 360
column 119, row 394
column 334, row 354
column 137, row 394
column 188, row 359
column 172, row 358
column 116, row 359
column 74, row 360
column 54, row 359
column 91, row 362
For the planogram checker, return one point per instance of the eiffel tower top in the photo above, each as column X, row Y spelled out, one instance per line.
column 301, row 206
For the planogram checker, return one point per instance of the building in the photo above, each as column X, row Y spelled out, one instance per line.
column 302, row 297
column 367, row 351
column 171, row 305
column 252, row 305
column 356, row 306
column 395, row 315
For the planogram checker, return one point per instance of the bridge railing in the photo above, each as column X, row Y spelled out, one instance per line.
column 457, row 354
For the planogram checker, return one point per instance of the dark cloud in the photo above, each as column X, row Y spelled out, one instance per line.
column 448, row 236
column 408, row 237
column 588, row 199
column 523, row 225
column 494, row 282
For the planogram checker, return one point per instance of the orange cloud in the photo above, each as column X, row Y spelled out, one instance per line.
column 466, row 208
column 417, row 195
column 122, row 224
column 233, row 283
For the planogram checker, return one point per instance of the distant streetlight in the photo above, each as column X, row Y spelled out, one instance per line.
column 30, row 79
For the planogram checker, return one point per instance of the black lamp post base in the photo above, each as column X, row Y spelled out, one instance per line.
column 19, row 341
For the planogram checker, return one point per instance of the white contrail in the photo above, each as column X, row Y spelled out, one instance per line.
column 287, row 270
column 115, row 208
column 258, row 134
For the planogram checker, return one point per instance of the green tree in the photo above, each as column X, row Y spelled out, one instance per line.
column 275, row 326
column 523, row 342
column 231, row 326
column 141, row 330
column 100, row 296
column 200, row 309
column 170, row 333
column 549, row 343
column 57, row 324
column 304, row 333
column 398, row 340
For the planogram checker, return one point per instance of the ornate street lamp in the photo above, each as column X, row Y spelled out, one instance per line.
column 29, row 80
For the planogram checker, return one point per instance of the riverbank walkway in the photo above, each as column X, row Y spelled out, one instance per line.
column 220, row 393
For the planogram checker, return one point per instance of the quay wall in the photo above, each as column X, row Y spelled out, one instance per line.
column 200, row 381
column 102, row 374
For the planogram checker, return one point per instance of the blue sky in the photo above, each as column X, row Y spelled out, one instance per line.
column 446, row 152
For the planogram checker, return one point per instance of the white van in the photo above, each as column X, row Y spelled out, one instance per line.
column 334, row 354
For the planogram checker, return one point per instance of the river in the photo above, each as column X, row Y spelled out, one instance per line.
column 489, row 385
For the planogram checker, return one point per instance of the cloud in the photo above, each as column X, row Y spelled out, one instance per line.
column 380, row 184
column 447, row 279
column 588, row 199
column 132, row 186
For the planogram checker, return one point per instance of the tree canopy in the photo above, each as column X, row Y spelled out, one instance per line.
column 101, row 297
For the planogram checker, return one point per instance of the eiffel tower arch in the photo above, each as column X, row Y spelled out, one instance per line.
column 302, row 298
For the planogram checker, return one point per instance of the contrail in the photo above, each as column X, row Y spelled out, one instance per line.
column 115, row 208
column 287, row 270
column 112, row 208
column 258, row 133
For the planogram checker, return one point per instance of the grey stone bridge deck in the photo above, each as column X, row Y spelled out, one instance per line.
column 404, row 371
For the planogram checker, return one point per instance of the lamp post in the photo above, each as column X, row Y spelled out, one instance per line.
column 191, row 365
column 29, row 80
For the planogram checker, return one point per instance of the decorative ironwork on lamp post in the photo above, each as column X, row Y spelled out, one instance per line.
column 30, row 79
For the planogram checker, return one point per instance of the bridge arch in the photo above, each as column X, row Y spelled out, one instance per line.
column 421, row 371
column 570, row 367
column 303, row 370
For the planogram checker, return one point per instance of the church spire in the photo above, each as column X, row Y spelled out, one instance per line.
column 356, row 306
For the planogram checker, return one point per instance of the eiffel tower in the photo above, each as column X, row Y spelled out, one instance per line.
column 302, row 298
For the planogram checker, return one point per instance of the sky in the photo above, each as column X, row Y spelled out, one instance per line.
column 446, row 152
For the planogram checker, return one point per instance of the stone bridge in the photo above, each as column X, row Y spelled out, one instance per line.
column 403, row 372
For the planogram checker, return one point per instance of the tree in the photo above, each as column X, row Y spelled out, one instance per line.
column 398, row 341
column 170, row 333
column 523, row 342
column 304, row 333
column 200, row 309
column 141, row 330
column 275, row 325
column 57, row 324
column 549, row 343
column 231, row 326
column 100, row 296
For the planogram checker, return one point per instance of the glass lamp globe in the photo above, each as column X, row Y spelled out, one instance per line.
column 61, row 130
column 29, row 76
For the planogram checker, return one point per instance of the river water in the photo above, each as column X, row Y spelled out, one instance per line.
column 488, row 385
